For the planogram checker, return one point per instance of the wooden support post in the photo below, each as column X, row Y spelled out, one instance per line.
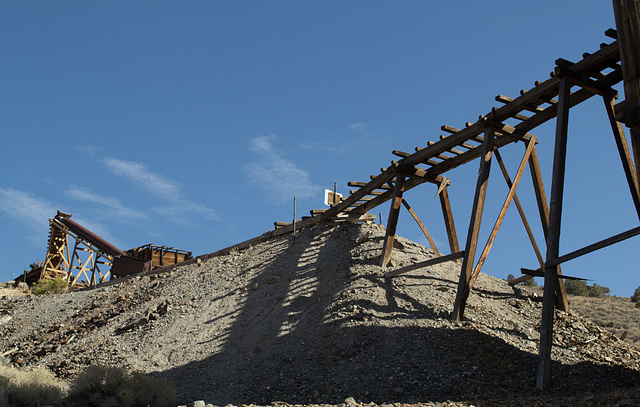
column 474, row 223
column 422, row 227
column 625, row 155
column 390, row 235
column 448, row 220
column 553, row 235
column 627, row 15
column 536, row 175
column 501, row 215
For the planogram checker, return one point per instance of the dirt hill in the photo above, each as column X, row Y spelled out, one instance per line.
column 313, row 320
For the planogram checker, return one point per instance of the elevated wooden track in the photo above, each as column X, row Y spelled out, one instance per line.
column 512, row 122
column 570, row 84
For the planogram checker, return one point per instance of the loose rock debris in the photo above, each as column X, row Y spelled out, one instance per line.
column 316, row 322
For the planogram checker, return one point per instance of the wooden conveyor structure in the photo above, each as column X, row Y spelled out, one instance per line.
column 510, row 123
column 80, row 257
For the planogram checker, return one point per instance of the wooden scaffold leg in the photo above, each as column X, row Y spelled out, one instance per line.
column 561, row 300
column 553, row 236
column 474, row 223
column 390, row 235
column 625, row 155
column 448, row 220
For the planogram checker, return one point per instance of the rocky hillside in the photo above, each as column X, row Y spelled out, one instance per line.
column 313, row 320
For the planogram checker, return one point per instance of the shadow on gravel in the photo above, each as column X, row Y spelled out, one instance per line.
column 281, row 348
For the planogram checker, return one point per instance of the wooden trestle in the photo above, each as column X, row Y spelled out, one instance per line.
column 570, row 84
column 78, row 264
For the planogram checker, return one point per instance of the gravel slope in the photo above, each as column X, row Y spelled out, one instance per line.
column 315, row 321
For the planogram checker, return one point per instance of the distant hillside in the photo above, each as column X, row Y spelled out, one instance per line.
column 616, row 314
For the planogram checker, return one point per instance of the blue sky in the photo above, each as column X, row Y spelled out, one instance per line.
column 193, row 124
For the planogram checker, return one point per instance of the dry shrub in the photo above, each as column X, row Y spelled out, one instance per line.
column 38, row 387
column 98, row 386
column 141, row 390
column 103, row 386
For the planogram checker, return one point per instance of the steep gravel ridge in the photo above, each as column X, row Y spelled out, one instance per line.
column 314, row 320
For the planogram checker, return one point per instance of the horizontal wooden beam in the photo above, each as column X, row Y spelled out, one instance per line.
column 535, row 273
column 591, row 248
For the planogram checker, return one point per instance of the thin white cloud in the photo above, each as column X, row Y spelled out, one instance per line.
column 28, row 209
column 89, row 149
column 162, row 187
column 112, row 207
column 358, row 127
column 354, row 137
column 139, row 173
column 278, row 176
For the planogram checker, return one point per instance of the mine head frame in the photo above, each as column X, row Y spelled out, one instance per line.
column 75, row 260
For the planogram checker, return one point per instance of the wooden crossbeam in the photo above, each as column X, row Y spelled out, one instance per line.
column 422, row 227
column 361, row 184
column 536, row 273
column 523, row 217
column 585, row 82
column 400, row 153
column 590, row 248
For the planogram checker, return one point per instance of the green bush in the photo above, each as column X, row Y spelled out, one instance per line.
column 580, row 287
column 530, row 283
column 38, row 387
column 598, row 291
column 576, row 287
column 53, row 286
column 636, row 297
column 103, row 386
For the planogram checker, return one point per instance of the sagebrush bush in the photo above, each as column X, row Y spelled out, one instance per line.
column 50, row 286
column 141, row 390
column 38, row 387
column 105, row 386
column 98, row 386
